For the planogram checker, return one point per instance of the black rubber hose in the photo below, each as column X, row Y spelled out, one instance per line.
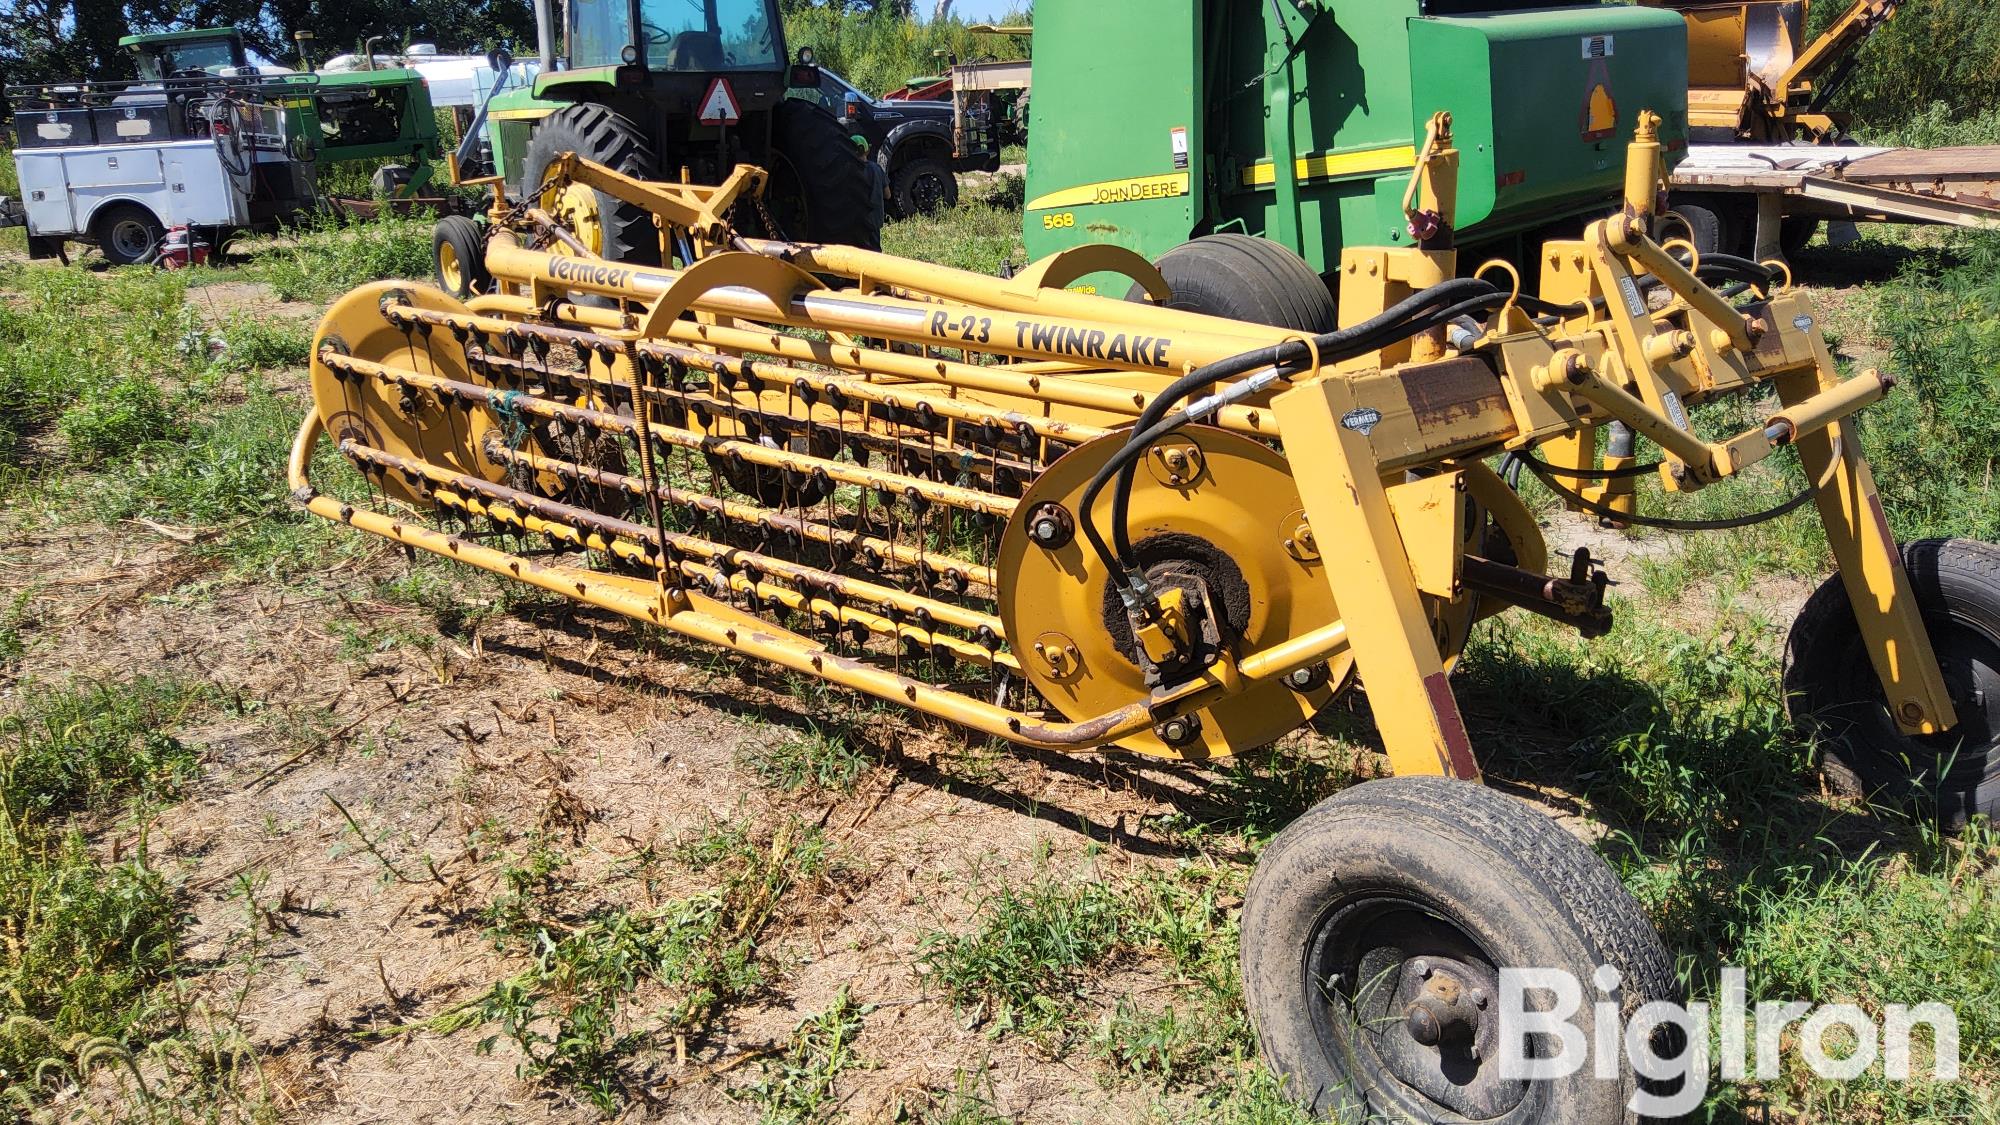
column 1403, row 320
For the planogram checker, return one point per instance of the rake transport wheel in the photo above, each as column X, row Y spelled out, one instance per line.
column 1218, row 528
column 611, row 228
column 458, row 257
column 1374, row 931
column 1831, row 686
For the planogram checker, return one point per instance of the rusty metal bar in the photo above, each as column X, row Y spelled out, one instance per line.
column 842, row 471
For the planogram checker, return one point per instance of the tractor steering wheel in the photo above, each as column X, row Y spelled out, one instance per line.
column 656, row 36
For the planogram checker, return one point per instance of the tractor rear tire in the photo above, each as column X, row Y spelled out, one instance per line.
column 127, row 233
column 1398, row 892
column 597, row 134
column 822, row 188
column 1249, row 279
column 924, row 186
column 458, row 257
column 1832, row 690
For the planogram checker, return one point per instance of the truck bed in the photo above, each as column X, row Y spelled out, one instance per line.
column 1952, row 186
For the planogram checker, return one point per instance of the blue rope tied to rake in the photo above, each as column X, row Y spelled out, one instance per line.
column 504, row 405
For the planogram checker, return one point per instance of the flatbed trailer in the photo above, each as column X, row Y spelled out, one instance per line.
column 1759, row 187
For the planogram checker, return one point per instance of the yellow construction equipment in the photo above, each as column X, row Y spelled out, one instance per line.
column 1076, row 523
column 1753, row 76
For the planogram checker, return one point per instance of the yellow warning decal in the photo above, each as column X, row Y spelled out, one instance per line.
column 1335, row 165
column 1130, row 190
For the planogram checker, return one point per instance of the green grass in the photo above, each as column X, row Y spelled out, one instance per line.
column 824, row 758
column 92, row 944
column 800, row 1086
column 605, row 985
column 326, row 260
column 973, row 236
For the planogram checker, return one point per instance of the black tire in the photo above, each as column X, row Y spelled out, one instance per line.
column 1711, row 226
column 1397, row 886
column 127, row 233
column 463, row 273
column 925, row 185
column 1795, row 235
column 1831, row 688
column 1248, row 279
column 822, row 188
column 595, row 133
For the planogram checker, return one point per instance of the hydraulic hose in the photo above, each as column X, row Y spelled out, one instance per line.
column 1418, row 313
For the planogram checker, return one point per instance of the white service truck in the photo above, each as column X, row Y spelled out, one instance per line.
column 119, row 164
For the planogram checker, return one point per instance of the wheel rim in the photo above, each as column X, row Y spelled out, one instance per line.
column 1949, row 763
column 131, row 238
column 927, row 193
column 1373, row 961
column 575, row 206
column 449, row 270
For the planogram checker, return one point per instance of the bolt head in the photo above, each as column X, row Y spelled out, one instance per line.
column 1421, row 967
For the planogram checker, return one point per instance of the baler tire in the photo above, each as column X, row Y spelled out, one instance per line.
column 467, row 243
column 1249, row 279
column 597, row 134
column 1455, row 874
column 834, row 195
column 1831, row 688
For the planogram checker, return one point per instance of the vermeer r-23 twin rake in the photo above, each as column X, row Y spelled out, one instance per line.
column 1076, row 523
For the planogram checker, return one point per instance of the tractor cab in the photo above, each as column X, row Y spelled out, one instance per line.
column 674, row 35
column 675, row 90
column 187, row 53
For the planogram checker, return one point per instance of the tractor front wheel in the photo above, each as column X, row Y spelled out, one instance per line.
column 1378, row 930
column 1831, row 687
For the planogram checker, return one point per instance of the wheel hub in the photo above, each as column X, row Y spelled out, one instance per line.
column 575, row 206
column 1409, row 1001
column 131, row 238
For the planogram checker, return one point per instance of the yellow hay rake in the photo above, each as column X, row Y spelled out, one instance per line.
column 1073, row 522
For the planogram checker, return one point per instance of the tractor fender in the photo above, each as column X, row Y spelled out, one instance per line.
column 911, row 136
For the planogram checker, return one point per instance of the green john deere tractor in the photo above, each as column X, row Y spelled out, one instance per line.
column 1172, row 111
column 667, row 89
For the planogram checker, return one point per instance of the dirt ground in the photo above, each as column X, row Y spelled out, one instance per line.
column 556, row 720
